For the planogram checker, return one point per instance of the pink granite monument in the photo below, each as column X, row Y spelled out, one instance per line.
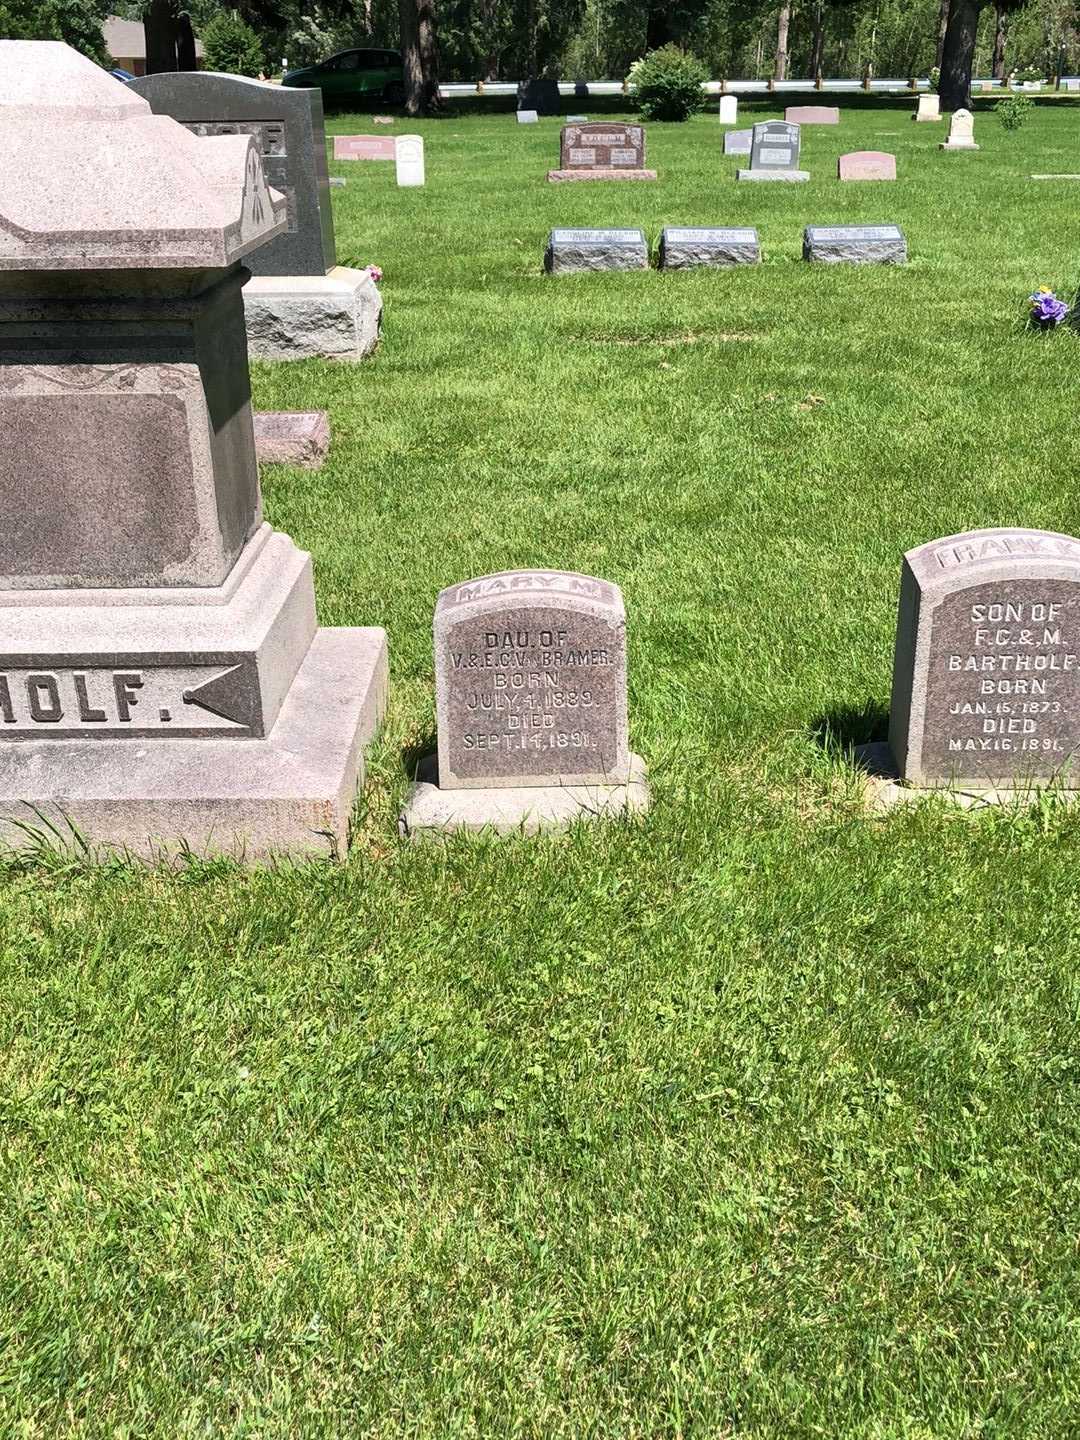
column 163, row 680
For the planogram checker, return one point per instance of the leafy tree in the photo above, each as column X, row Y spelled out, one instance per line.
column 230, row 45
column 420, row 57
column 76, row 22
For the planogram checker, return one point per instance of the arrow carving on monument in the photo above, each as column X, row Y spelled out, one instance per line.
column 226, row 695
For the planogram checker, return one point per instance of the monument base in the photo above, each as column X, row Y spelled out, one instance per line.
column 521, row 809
column 291, row 793
column 604, row 173
column 292, row 317
column 883, row 788
column 957, row 145
column 792, row 176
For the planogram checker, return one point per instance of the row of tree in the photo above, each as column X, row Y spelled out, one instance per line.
column 595, row 39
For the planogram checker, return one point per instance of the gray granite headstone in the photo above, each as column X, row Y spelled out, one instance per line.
column 287, row 126
column 986, row 681
column 530, row 674
column 855, row 244
column 774, row 153
column 682, row 247
column 738, row 142
column 596, row 250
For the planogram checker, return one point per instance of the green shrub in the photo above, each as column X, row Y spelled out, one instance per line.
column 667, row 84
column 1013, row 111
column 231, row 46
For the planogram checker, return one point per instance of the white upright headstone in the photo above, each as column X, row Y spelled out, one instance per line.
column 409, row 156
column 729, row 109
column 929, row 108
column 961, row 132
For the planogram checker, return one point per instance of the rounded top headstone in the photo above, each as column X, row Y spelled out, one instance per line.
column 111, row 186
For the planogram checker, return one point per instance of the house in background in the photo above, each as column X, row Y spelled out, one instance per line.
column 126, row 44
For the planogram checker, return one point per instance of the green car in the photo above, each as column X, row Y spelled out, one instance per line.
column 354, row 73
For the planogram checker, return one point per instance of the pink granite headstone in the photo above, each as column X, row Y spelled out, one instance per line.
column 812, row 115
column 363, row 147
column 867, row 165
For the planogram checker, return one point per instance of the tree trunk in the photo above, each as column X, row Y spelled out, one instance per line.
column 411, row 65
column 428, row 41
column 783, row 24
column 185, row 44
column 160, row 24
column 817, row 47
column 997, row 68
column 943, row 23
column 958, row 55
column 657, row 26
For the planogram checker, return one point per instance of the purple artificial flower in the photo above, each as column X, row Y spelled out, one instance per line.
column 1046, row 308
column 375, row 272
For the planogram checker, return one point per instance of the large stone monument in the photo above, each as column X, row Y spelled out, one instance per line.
column 163, row 679
column 986, row 681
column 300, row 301
column 602, row 150
column 774, row 153
column 530, row 694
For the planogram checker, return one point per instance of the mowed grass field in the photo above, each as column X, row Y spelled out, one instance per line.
column 759, row 1117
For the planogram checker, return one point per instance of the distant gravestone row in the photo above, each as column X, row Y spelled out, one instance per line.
column 685, row 247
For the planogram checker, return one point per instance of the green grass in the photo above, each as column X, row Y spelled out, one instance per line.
column 757, row 1118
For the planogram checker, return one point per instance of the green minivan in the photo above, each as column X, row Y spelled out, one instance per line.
column 374, row 73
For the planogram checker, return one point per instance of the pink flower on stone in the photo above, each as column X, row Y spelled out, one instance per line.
column 375, row 271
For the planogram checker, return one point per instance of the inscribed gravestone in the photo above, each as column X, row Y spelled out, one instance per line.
column 569, row 250
column 738, row 142
column 602, row 151
column 961, row 132
column 812, row 115
column 287, row 126
column 409, row 157
column 292, row 437
column 142, row 598
column 683, row 247
column 867, row 165
column 774, row 153
column 363, row 147
column 986, row 680
column 855, row 244
column 530, row 674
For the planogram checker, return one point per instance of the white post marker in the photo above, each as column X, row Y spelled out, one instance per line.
column 729, row 109
column 409, row 157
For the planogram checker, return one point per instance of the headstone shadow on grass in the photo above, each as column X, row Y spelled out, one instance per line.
column 839, row 732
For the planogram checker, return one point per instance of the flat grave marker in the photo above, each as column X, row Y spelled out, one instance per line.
column 291, row 437
column 855, row 244
column 528, row 117
column 569, row 250
column 363, row 147
column 687, row 246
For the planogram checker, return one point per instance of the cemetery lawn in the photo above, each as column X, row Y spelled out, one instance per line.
column 759, row 1117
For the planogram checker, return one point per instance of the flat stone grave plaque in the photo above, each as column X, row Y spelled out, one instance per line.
column 382, row 119
column 363, row 147
column 291, row 437
column 738, row 142
column 867, row 165
column 682, row 247
column 577, row 120
column 729, row 109
column 409, row 155
column 986, row 682
column 527, row 117
column 569, row 250
column 855, row 244
column 530, row 676
column 812, row 115
column 288, row 129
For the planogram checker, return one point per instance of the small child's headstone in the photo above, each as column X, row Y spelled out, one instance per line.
column 961, row 132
